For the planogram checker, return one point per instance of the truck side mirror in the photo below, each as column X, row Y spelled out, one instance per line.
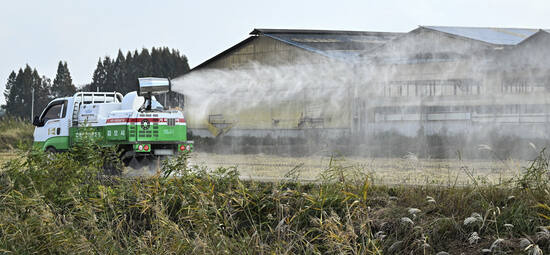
column 36, row 121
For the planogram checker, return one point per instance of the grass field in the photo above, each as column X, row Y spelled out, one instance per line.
column 65, row 204
column 410, row 170
column 393, row 171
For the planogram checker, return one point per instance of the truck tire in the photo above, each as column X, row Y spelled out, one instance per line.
column 50, row 151
column 110, row 168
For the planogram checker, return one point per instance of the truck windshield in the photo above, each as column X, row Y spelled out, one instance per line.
column 55, row 111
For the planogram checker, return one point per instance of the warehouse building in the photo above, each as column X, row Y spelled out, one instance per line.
column 454, row 79
column 431, row 80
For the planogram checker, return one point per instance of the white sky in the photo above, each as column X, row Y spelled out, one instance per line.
column 41, row 33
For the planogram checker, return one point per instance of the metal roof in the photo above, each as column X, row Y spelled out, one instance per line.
column 223, row 53
column 258, row 31
column 340, row 44
column 346, row 45
column 541, row 32
column 350, row 45
column 492, row 35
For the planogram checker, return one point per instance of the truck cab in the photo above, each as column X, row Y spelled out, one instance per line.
column 60, row 118
column 52, row 126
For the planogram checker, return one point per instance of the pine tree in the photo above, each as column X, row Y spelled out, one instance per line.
column 119, row 72
column 98, row 79
column 9, row 86
column 122, row 73
column 63, row 83
column 144, row 63
column 42, row 92
column 19, row 95
column 129, row 83
column 110, row 80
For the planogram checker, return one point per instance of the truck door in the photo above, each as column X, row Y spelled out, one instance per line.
column 53, row 127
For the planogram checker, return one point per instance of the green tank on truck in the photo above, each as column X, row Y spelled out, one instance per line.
column 136, row 123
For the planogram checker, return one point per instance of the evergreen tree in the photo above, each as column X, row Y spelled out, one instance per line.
column 125, row 70
column 156, row 69
column 9, row 86
column 86, row 87
column 42, row 92
column 98, row 79
column 129, row 83
column 110, row 81
column 120, row 69
column 19, row 95
column 145, row 66
column 63, row 83
column 121, row 74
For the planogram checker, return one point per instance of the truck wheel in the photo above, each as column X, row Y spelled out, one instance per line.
column 50, row 151
column 127, row 157
column 109, row 168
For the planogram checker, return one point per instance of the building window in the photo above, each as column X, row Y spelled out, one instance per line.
column 422, row 88
column 522, row 86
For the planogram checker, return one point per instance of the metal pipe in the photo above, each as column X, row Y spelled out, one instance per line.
column 32, row 104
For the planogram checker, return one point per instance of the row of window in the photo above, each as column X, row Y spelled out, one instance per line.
column 452, row 87
column 460, row 87
column 520, row 86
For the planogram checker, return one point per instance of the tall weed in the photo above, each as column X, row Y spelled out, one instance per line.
column 65, row 203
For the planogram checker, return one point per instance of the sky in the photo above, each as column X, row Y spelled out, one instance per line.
column 41, row 33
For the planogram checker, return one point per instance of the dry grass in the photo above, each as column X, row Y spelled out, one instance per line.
column 65, row 205
column 7, row 156
column 15, row 133
column 409, row 170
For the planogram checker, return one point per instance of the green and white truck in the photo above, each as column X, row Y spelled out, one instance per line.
column 136, row 123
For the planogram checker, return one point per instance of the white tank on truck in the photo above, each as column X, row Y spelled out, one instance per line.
column 136, row 123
